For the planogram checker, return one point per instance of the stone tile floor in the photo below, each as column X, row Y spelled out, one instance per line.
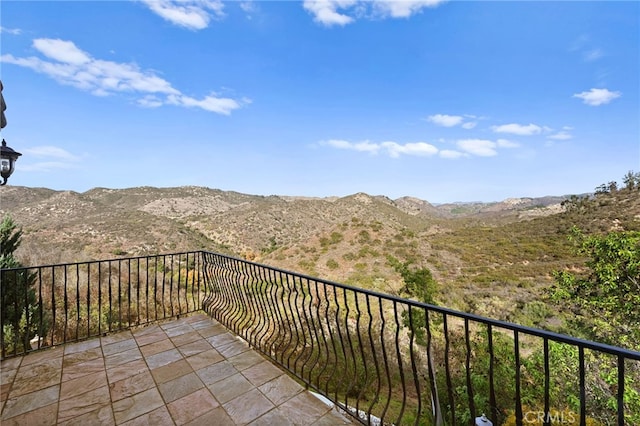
column 190, row 371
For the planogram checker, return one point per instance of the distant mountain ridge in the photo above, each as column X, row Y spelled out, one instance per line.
column 490, row 258
column 237, row 221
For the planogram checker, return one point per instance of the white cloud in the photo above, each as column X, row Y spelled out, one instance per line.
column 504, row 143
column 326, row 12
column 343, row 12
column 561, row 136
column 403, row 8
column 53, row 158
column 47, row 166
column 208, row 103
column 445, row 120
column 248, row 7
column 364, row 146
column 61, row 51
column 150, row 102
column 518, row 129
column 595, row 97
column 393, row 149
column 51, row 151
column 448, row 153
column 12, row 31
column 466, row 148
column 191, row 14
column 72, row 66
column 420, row 149
column 479, row 147
column 593, row 55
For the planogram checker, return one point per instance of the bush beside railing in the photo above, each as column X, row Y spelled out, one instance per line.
column 379, row 357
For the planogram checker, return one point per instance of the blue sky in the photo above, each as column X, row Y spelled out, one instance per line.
column 445, row 101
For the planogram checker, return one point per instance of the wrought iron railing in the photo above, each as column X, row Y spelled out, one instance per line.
column 390, row 360
column 50, row 305
column 381, row 358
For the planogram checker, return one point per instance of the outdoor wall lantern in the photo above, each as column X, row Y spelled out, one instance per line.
column 8, row 156
column 8, row 159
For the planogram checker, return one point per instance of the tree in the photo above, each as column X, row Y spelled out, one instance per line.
column 609, row 289
column 20, row 314
column 631, row 180
column 420, row 284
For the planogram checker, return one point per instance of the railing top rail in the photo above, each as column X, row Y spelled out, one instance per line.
column 86, row 262
column 545, row 334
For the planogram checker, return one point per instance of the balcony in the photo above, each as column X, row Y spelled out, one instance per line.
column 186, row 371
column 203, row 338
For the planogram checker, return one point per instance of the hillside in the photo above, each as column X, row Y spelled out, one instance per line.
column 494, row 259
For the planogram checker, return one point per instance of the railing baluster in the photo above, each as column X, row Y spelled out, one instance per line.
column 319, row 324
column 128, row 293
column 99, row 297
column 250, row 294
column 378, row 379
column 332, row 339
column 350, row 344
column 547, row 382
column 164, row 279
column 516, row 348
column 27, row 311
column 262, row 332
column 341, row 353
column 492, row 361
column 88, row 300
column 435, row 400
column 171, row 284
column 53, row 304
column 77, row 300
column 620, row 390
column 383, row 416
column 66, row 306
column 414, row 369
column 467, row 365
column 290, row 321
column 363, row 355
column 16, row 320
column 583, row 387
column 179, row 283
column 452, row 404
column 41, row 332
column 400, row 366
column 119, row 294
column 155, row 287
column 137, row 291
column 309, row 347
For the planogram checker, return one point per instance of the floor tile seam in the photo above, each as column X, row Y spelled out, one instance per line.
column 62, row 367
column 104, row 369
column 57, row 403
column 11, row 388
column 16, row 367
column 113, row 417
column 157, row 386
column 153, row 343
column 112, row 401
column 166, row 404
column 13, row 380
